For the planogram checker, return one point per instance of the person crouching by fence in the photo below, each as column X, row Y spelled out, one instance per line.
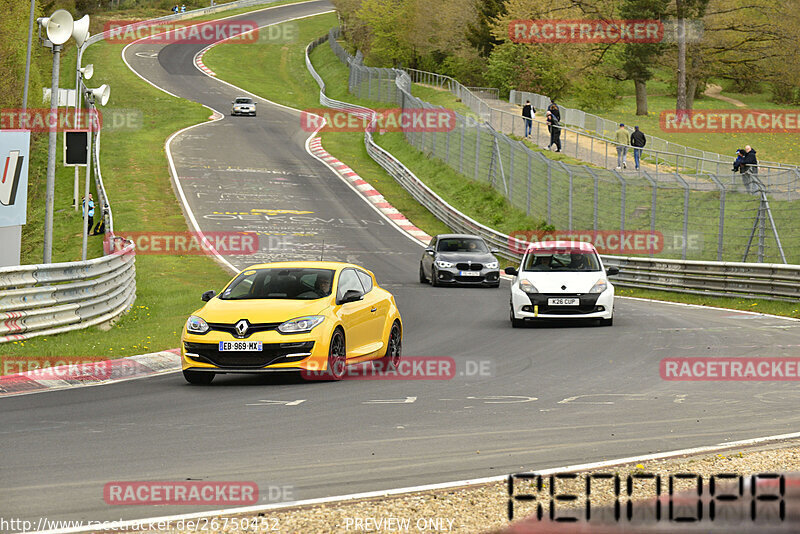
column 749, row 169
column 555, row 132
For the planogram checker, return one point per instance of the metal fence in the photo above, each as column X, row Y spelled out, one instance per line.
column 592, row 139
column 775, row 282
column 699, row 217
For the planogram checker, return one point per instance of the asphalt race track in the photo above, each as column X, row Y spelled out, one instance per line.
column 552, row 395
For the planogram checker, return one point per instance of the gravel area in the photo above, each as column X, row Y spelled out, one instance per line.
column 484, row 508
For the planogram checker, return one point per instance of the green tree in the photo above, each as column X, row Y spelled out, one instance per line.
column 638, row 58
column 526, row 68
column 479, row 33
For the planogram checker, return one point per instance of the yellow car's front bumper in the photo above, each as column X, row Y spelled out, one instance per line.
column 280, row 352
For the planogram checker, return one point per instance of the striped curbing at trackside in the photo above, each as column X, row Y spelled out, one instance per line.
column 367, row 191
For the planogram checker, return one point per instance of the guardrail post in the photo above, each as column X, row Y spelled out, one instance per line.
column 528, row 206
column 447, row 147
column 477, row 149
column 461, row 148
column 510, row 178
column 596, row 197
column 549, row 191
column 652, row 204
column 685, row 213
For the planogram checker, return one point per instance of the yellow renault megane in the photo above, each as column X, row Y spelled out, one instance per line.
column 292, row 316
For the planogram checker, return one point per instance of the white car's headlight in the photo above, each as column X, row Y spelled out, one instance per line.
column 600, row 286
column 443, row 264
column 492, row 265
column 301, row 324
column 527, row 286
column 196, row 325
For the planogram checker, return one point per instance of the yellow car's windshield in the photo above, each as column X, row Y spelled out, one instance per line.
column 292, row 284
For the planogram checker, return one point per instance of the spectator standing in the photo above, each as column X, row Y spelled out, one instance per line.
column 91, row 213
column 175, row 9
column 528, row 113
column 622, row 139
column 638, row 140
column 183, row 8
column 553, row 108
column 555, row 131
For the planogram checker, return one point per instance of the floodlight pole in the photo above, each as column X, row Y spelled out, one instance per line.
column 86, row 228
column 28, row 59
column 51, row 160
column 78, row 95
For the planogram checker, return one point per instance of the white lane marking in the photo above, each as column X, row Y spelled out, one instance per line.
column 699, row 306
column 407, row 400
column 266, row 402
column 504, row 399
column 147, row 55
column 571, row 400
column 136, row 523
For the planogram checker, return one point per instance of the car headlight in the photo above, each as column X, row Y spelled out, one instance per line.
column 443, row 264
column 527, row 286
column 600, row 286
column 196, row 325
column 301, row 324
column 492, row 265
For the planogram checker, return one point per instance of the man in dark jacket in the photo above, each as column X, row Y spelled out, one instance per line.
column 555, row 131
column 638, row 140
column 527, row 113
column 749, row 169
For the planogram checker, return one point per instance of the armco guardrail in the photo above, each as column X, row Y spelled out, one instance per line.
column 730, row 279
column 48, row 299
column 52, row 298
column 724, row 279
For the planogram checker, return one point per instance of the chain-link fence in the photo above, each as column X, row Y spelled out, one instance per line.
column 592, row 137
column 698, row 216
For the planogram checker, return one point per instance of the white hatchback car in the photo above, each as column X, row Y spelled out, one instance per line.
column 561, row 280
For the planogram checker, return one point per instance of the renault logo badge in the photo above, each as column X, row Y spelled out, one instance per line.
column 241, row 327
